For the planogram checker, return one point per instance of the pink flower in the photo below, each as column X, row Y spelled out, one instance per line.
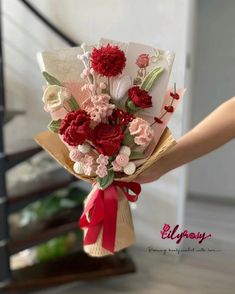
column 87, row 164
column 98, row 107
column 88, row 159
column 116, row 167
column 122, row 159
column 101, row 171
column 75, row 155
column 143, row 60
column 141, row 130
column 102, row 159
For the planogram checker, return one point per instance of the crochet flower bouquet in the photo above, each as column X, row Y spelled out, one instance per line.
column 109, row 110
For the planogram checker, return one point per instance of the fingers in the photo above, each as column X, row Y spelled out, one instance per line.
column 143, row 179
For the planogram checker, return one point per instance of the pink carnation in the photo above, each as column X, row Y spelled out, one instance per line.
column 141, row 130
column 98, row 107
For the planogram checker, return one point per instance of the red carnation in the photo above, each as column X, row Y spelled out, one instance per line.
column 107, row 138
column 75, row 127
column 108, row 61
column 140, row 97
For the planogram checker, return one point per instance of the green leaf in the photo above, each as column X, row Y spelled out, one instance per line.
column 73, row 103
column 136, row 155
column 150, row 78
column 54, row 126
column 106, row 181
column 50, row 79
column 128, row 140
column 131, row 107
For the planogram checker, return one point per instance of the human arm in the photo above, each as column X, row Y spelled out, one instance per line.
column 214, row 131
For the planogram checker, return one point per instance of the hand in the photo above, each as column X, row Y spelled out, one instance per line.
column 151, row 174
column 214, row 131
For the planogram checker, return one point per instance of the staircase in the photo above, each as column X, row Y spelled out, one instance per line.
column 74, row 267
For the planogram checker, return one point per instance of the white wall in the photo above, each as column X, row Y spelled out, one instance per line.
column 213, row 78
column 158, row 22
column 23, row 37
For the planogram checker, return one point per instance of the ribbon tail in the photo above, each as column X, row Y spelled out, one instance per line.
column 110, row 218
column 92, row 235
column 95, row 210
column 133, row 186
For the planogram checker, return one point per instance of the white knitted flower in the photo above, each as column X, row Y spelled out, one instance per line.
column 77, row 167
column 119, row 86
column 54, row 97
column 130, row 168
column 126, row 150
column 84, row 148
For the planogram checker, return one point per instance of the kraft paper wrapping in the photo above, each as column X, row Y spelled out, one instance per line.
column 51, row 143
column 125, row 235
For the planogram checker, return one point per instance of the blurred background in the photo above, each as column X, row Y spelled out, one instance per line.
column 40, row 244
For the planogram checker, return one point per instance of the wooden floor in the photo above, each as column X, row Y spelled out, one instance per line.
column 193, row 273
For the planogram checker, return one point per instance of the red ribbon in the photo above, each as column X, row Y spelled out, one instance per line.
column 102, row 211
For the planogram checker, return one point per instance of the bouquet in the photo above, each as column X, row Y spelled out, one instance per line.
column 109, row 119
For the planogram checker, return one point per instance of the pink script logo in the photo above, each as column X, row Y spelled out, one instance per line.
column 166, row 233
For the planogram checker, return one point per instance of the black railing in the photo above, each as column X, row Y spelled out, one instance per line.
column 49, row 24
column 4, row 255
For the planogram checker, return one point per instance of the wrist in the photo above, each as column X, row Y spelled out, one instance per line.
column 162, row 166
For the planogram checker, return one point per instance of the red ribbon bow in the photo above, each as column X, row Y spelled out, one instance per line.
column 102, row 211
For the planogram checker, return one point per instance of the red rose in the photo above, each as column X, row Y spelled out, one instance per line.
column 108, row 61
column 107, row 138
column 140, row 97
column 142, row 61
column 75, row 127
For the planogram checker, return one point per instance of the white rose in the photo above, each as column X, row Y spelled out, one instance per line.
column 54, row 97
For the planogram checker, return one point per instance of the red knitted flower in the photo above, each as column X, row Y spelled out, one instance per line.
column 107, row 138
column 75, row 127
column 108, row 61
column 140, row 97
column 120, row 117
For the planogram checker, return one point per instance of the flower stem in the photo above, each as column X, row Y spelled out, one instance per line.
column 66, row 108
column 108, row 87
